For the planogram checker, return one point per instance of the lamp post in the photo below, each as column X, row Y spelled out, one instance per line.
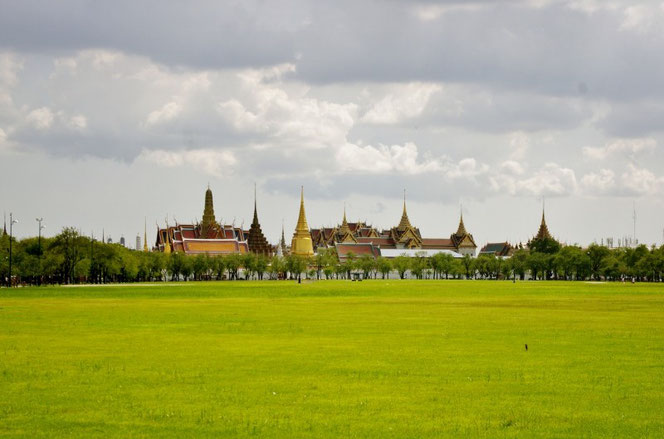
column 39, row 220
column 12, row 221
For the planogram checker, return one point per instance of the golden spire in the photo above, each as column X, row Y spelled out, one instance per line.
column 145, row 235
column 405, row 222
column 461, row 231
column 167, row 244
column 302, row 218
column 543, row 231
column 301, row 244
column 345, row 228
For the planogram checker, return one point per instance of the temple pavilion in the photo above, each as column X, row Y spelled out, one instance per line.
column 361, row 238
column 210, row 237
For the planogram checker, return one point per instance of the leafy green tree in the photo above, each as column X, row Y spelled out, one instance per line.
column 597, row 253
column 418, row 266
column 175, row 265
column 218, row 266
column 277, row 267
column 261, row 266
column 537, row 264
column 297, row 265
column 200, row 265
column 233, row 264
column 401, row 264
column 519, row 263
column 69, row 245
column 545, row 245
column 249, row 264
column 384, row 266
column 468, row 266
column 366, row 264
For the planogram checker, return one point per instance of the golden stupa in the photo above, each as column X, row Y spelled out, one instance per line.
column 302, row 244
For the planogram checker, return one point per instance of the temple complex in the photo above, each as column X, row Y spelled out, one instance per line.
column 360, row 238
column 208, row 236
column 301, row 245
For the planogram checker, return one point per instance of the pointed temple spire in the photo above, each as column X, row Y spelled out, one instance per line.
column 257, row 242
column 301, row 244
column 543, row 231
column 281, row 246
column 208, row 221
column 345, row 228
column 405, row 222
column 461, row 231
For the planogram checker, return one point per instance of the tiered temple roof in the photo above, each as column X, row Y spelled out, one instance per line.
column 208, row 236
column 543, row 232
column 403, row 236
column 256, row 240
column 500, row 249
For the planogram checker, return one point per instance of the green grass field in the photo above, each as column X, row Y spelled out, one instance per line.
column 333, row 359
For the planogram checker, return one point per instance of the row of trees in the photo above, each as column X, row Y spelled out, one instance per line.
column 71, row 258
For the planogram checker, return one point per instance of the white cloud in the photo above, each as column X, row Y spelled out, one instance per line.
column 402, row 103
column 3, row 139
column 640, row 181
column 512, row 167
column 164, row 114
column 78, row 122
column 550, row 180
column 465, row 168
column 629, row 147
column 642, row 18
column 600, row 183
column 288, row 120
column 10, row 66
column 519, row 142
column 383, row 159
column 213, row 162
column 40, row 118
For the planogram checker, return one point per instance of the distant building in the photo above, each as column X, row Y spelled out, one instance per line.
column 403, row 236
column 208, row 236
column 138, row 243
column 256, row 240
column 498, row 249
column 544, row 242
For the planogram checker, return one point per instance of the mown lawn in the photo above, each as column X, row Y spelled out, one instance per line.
column 333, row 359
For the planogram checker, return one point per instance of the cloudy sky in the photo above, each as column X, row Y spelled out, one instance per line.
column 117, row 111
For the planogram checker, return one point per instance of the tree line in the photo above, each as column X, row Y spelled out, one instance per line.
column 71, row 258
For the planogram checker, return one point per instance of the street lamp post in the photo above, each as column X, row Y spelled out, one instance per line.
column 39, row 220
column 12, row 221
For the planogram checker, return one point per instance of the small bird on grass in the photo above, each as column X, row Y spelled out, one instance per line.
column 526, row 346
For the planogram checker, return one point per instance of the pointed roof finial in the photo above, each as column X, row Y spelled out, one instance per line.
column 405, row 222
column 461, row 230
column 543, row 231
column 302, row 218
column 345, row 228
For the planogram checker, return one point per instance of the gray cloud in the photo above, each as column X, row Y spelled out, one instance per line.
column 556, row 49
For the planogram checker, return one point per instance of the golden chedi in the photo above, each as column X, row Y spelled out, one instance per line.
column 302, row 244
